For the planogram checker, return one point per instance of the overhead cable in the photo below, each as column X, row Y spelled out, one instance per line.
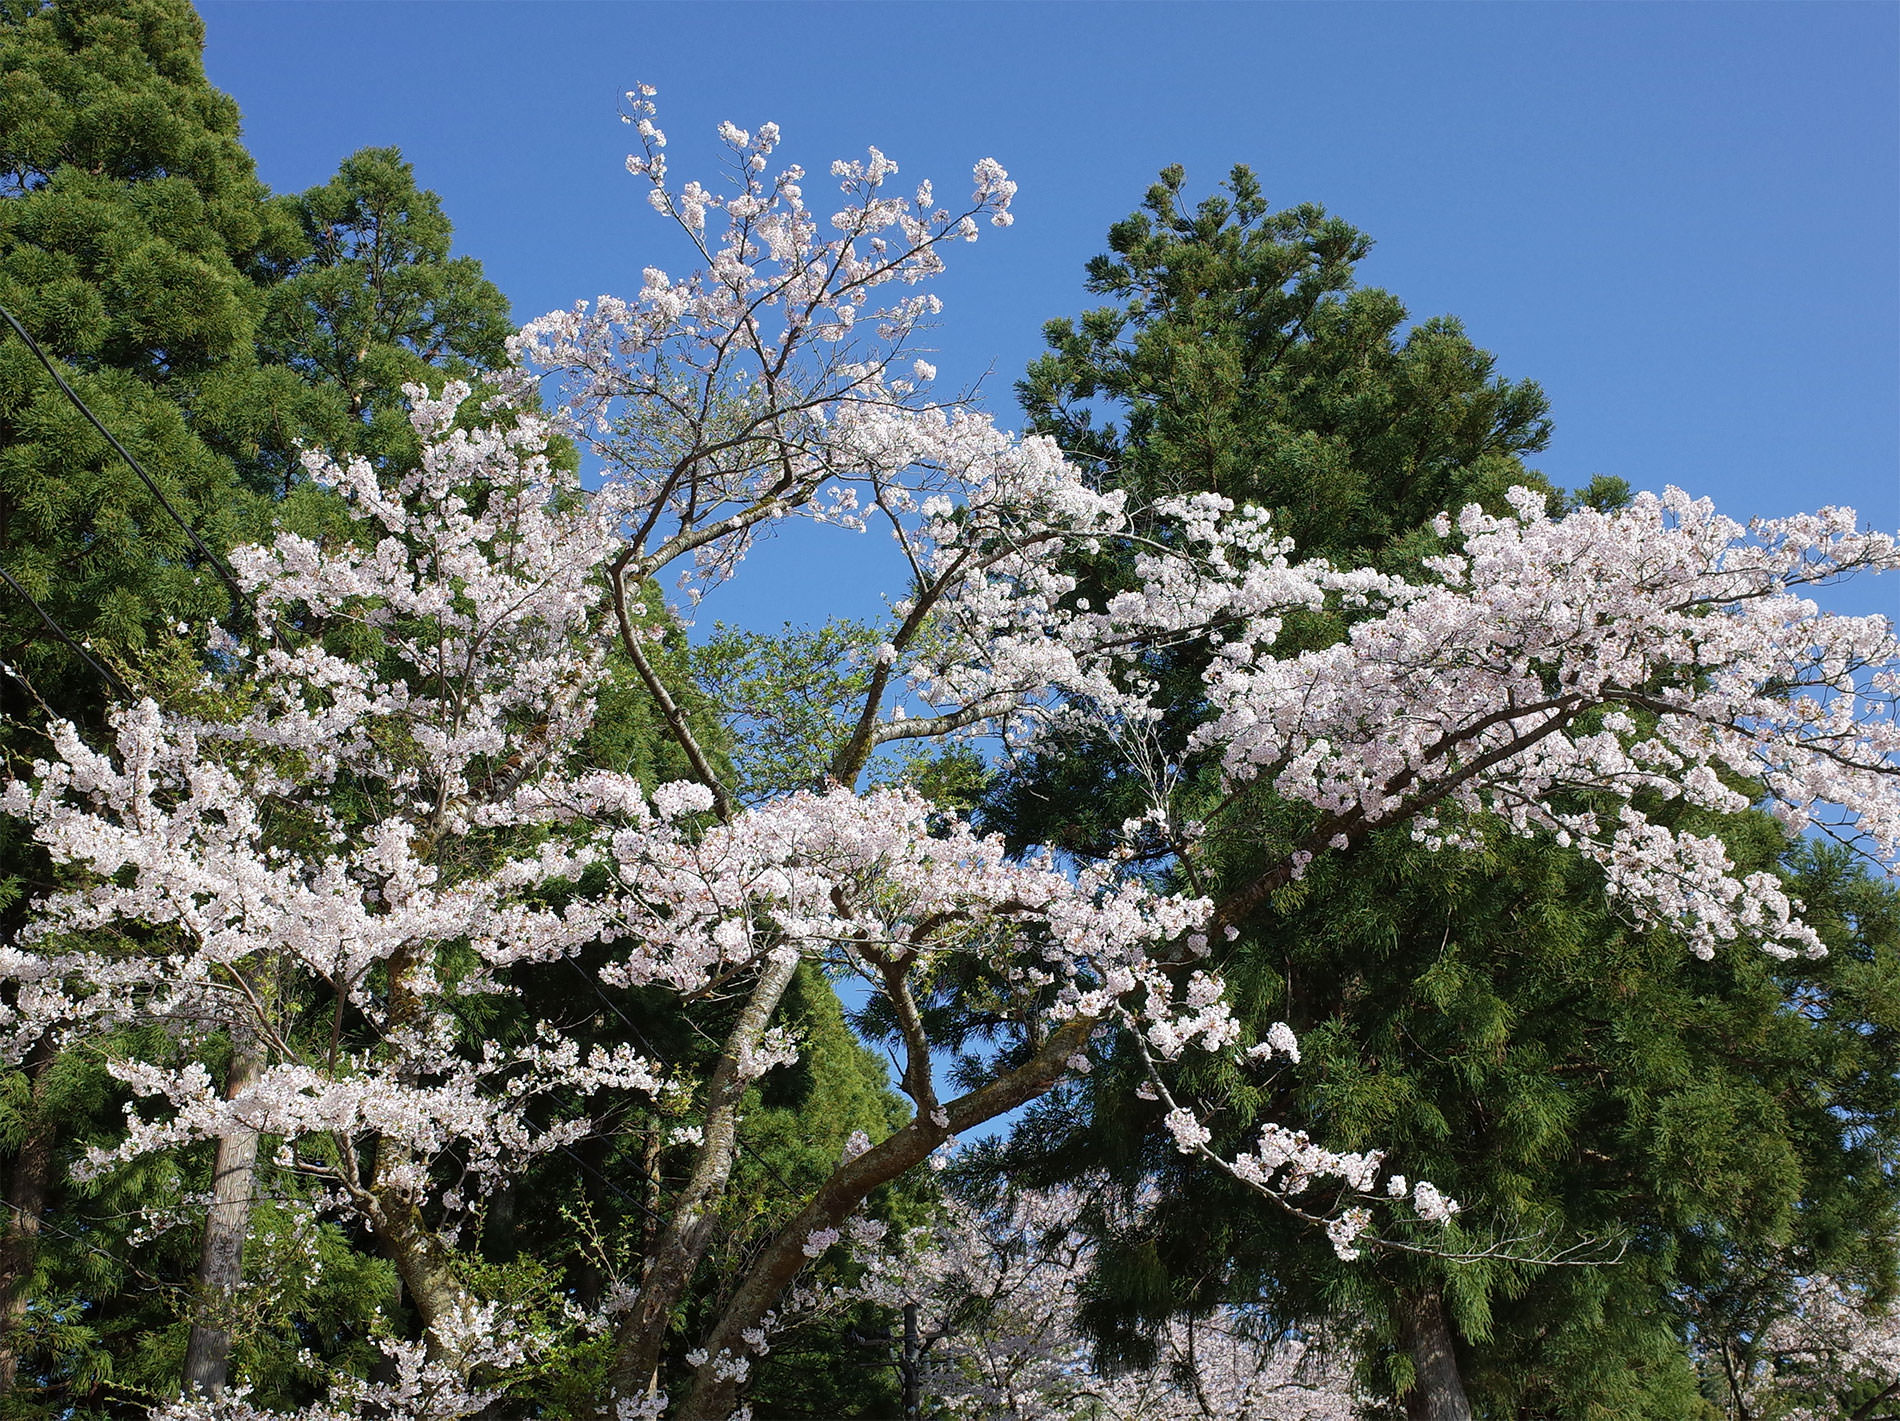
column 61, row 632
column 238, row 597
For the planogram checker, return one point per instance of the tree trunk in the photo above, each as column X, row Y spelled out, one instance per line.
column 1865, row 1411
column 221, row 1264
column 913, row 1393
column 1438, row 1391
column 423, row 1262
column 714, row 1398
column 676, row 1255
column 27, row 1194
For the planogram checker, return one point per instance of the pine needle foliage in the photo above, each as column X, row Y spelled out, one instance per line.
column 1584, row 1087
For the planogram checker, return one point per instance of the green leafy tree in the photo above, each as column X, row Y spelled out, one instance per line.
column 132, row 237
column 1240, row 358
column 373, row 302
column 1680, row 1118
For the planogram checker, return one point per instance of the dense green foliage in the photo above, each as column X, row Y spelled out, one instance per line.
column 215, row 328
column 373, row 302
column 132, row 240
column 1240, row 358
column 131, row 234
column 1588, row 1090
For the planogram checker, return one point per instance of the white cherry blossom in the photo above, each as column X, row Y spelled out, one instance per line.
column 379, row 813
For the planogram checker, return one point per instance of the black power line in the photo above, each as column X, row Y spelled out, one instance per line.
column 231, row 583
column 64, row 635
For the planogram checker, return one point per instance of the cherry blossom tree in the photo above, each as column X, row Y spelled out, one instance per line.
column 1837, row 1348
column 997, row 1291
column 1830, row 1350
column 376, row 820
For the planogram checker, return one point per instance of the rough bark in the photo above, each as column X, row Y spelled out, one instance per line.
column 227, row 1222
column 1438, row 1392
column 1865, row 1411
column 677, row 1253
column 422, row 1261
column 28, row 1191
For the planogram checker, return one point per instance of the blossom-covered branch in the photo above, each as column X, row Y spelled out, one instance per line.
column 380, row 824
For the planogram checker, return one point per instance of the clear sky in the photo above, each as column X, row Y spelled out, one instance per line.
column 1682, row 219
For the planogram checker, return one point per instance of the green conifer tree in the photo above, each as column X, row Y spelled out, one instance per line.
column 1681, row 1117
column 182, row 305
column 132, row 236
column 373, row 302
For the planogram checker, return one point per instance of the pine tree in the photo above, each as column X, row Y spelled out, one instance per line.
column 373, row 302
column 1686, row 1121
column 131, row 238
column 1242, row 359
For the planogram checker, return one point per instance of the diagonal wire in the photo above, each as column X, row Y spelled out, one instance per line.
column 239, row 599
column 61, row 632
column 578, row 1159
column 231, row 583
column 45, row 1226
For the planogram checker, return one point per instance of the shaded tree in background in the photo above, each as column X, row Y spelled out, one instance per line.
column 373, row 302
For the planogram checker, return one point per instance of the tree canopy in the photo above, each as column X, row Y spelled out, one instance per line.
column 1484, row 1003
column 1390, row 897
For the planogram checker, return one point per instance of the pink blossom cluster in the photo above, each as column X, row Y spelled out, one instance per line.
column 417, row 1388
column 1834, row 1344
column 380, row 806
column 463, row 720
column 1547, row 672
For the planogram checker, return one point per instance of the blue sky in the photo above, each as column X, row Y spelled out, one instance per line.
column 1683, row 220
